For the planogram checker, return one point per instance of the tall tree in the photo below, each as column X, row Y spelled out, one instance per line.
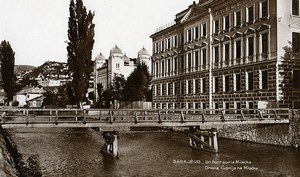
column 7, row 57
column 80, row 46
column 137, row 84
column 117, row 87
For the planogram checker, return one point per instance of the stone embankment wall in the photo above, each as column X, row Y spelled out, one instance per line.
column 276, row 134
column 7, row 165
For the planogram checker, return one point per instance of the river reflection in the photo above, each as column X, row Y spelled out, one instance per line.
column 76, row 152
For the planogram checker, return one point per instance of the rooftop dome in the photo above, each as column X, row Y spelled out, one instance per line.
column 116, row 50
column 100, row 57
column 143, row 51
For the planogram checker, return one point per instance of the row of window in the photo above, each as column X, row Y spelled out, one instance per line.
column 228, row 21
column 227, row 53
column 236, row 19
column 225, row 23
column 166, row 44
column 203, row 105
column 224, row 83
column 220, row 84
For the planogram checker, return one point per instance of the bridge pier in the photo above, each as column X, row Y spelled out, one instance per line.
column 111, row 143
column 206, row 139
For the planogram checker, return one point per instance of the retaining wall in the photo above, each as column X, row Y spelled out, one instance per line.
column 274, row 134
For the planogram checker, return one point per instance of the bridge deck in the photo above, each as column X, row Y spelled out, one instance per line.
column 37, row 118
column 153, row 124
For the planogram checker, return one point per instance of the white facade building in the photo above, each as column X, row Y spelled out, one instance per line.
column 117, row 63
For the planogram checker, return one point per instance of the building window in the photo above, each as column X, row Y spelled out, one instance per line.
column 238, row 49
column 189, row 56
column 182, row 88
column 163, row 89
column 250, row 81
column 182, row 63
column 196, row 86
column 203, row 85
column 216, row 26
column 196, row 55
column 238, row 82
column 175, row 64
column 216, row 105
column 216, row 54
column 250, row 48
column 250, row 14
column 226, row 22
column 296, row 78
column 163, row 45
column 157, row 70
column 264, row 9
column 196, row 32
column 190, row 87
column 204, row 57
column 295, row 7
column 238, row 18
column 264, row 79
column 162, row 68
column 264, row 45
column 296, row 42
column 118, row 65
column 175, row 41
column 168, row 66
column 251, row 107
column 158, row 90
column 227, row 106
column 169, row 44
column 182, row 38
column 204, row 30
column 189, row 35
column 227, row 85
column 176, row 90
column 216, row 84
column 226, row 53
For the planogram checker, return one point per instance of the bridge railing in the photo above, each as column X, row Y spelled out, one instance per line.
column 21, row 116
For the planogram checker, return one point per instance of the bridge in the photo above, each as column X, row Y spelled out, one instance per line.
column 109, row 120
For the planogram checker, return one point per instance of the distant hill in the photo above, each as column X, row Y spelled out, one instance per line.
column 23, row 68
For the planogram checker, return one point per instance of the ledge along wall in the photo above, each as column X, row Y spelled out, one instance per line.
column 277, row 134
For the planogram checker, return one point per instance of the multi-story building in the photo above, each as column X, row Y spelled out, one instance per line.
column 229, row 54
column 117, row 63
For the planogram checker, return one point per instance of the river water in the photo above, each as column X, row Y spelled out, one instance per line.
column 76, row 153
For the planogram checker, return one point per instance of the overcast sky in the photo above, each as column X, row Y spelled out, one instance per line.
column 37, row 29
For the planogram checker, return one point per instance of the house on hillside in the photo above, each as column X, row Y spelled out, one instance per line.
column 35, row 102
column 30, row 96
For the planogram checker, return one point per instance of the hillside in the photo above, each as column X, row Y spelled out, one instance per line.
column 23, row 68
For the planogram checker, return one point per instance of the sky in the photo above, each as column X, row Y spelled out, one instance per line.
column 37, row 29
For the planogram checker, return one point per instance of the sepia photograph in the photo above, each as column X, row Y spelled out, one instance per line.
column 149, row 88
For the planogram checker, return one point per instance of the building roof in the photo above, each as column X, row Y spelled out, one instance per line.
column 143, row 51
column 39, row 98
column 116, row 50
column 31, row 90
column 100, row 57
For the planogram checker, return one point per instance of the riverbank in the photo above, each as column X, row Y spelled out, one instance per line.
column 12, row 163
column 7, row 164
